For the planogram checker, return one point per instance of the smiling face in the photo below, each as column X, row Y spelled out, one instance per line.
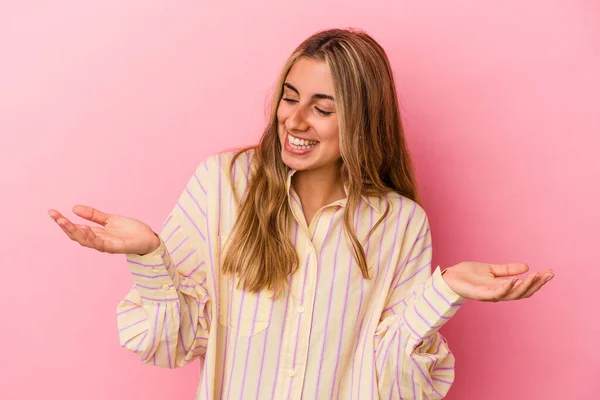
column 307, row 121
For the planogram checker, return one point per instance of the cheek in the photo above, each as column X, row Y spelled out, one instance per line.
column 281, row 115
column 330, row 131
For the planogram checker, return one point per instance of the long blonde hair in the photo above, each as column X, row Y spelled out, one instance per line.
column 375, row 159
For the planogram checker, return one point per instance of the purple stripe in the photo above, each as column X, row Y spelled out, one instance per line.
column 344, row 308
column 193, row 322
column 362, row 355
column 432, row 307
column 181, row 339
column 335, row 263
column 167, row 338
column 248, row 348
column 172, row 233
column 418, row 255
column 281, row 347
column 200, row 183
column 151, row 287
column 399, row 362
column 426, row 377
column 384, row 354
column 427, row 323
column 264, row 352
column 389, row 271
column 164, row 225
column 132, row 324
column 159, row 299
column 362, row 282
column 129, row 309
column 418, row 271
column 235, row 343
column 129, row 340
column 444, row 298
column 319, row 263
column 434, row 378
column 160, row 264
column 412, row 329
column 185, row 258
column 196, row 202
column 302, row 298
column 191, row 220
column 152, row 349
column 205, row 380
column 141, row 340
column 218, row 235
column 150, row 276
column 189, row 274
column 199, row 346
column 179, row 245
column 412, row 378
column 269, row 331
column 412, row 214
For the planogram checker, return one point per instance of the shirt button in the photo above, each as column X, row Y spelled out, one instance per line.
column 291, row 373
column 300, row 309
column 166, row 287
column 310, row 249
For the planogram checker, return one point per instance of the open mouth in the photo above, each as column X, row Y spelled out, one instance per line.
column 300, row 144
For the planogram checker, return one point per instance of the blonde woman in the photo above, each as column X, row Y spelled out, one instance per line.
column 301, row 267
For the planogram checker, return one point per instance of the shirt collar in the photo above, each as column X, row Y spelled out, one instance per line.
column 373, row 201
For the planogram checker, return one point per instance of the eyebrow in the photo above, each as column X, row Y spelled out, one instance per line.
column 314, row 96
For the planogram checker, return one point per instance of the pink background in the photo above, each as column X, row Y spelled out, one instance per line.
column 114, row 104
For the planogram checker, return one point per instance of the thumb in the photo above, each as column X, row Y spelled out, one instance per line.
column 91, row 214
column 510, row 269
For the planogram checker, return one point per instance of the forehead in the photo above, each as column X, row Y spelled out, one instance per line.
column 310, row 76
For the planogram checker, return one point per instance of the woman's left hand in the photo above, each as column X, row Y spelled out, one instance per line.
column 494, row 282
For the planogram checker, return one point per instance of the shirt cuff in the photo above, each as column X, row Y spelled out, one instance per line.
column 154, row 274
column 435, row 305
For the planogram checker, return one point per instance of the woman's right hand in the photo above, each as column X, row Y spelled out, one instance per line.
column 116, row 234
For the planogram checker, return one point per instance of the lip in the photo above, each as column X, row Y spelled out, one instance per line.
column 297, row 152
column 298, row 137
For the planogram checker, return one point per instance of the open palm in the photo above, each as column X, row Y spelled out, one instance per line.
column 116, row 233
column 494, row 282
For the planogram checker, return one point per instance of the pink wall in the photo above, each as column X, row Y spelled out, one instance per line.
column 114, row 104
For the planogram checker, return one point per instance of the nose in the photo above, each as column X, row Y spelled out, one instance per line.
column 297, row 120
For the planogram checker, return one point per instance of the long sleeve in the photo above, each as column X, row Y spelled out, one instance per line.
column 165, row 318
column 413, row 360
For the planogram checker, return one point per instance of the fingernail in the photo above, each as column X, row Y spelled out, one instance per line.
column 549, row 278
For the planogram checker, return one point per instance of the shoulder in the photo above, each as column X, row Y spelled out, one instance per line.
column 220, row 163
column 404, row 210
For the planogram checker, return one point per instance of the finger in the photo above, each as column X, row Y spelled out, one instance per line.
column 501, row 291
column 510, row 269
column 54, row 214
column 73, row 231
column 91, row 214
column 541, row 281
column 520, row 289
column 93, row 240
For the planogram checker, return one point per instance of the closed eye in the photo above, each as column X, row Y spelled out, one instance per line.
column 324, row 113
column 321, row 112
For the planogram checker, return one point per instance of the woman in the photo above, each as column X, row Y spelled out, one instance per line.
column 300, row 268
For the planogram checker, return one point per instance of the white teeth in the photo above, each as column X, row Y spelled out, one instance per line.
column 300, row 143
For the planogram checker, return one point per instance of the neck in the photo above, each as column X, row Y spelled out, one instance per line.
column 319, row 187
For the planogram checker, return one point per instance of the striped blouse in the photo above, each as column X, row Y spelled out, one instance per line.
column 332, row 335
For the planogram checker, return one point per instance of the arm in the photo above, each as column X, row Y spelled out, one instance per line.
column 412, row 358
column 165, row 317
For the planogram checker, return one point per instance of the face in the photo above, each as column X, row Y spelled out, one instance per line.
column 307, row 119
